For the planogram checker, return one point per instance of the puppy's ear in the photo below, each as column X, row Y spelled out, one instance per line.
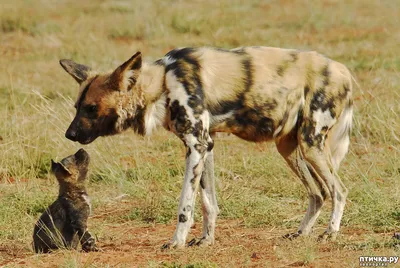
column 78, row 71
column 81, row 156
column 54, row 166
column 58, row 168
column 125, row 76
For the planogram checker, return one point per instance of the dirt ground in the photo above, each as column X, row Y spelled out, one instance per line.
column 134, row 244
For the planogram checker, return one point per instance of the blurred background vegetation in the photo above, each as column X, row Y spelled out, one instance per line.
column 254, row 184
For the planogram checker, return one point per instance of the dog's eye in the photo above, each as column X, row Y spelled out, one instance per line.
column 91, row 111
column 92, row 108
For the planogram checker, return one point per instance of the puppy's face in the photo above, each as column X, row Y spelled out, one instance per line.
column 72, row 169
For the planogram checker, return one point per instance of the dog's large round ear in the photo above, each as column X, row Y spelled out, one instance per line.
column 58, row 168
column 78, row 71
column 125, row 76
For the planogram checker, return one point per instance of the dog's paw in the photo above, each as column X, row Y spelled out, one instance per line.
column 292, row 236
column 327, row 236
column 172, row 245
column 201, row 242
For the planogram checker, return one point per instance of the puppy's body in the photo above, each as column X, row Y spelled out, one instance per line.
column 299, row 99
column 64, row 223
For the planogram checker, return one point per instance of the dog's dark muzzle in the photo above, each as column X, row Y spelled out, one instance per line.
column 71, row 134
column 76, row 133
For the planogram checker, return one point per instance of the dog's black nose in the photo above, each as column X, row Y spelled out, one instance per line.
column 71, row 135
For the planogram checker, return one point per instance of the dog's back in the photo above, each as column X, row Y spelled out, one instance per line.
column 256, row 93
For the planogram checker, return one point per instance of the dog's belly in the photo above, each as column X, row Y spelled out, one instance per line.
column 249, row 125
column 258, row 124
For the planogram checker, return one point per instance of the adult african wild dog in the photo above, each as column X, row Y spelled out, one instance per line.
column 63, row 224
column 300, row 99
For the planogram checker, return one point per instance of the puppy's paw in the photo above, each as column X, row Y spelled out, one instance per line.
column 89, row 245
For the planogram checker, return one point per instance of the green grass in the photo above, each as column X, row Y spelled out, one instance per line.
column 254, row 184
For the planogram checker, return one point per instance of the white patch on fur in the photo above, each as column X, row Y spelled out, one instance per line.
column 323, row 119
column 187, row 197
column 178, row 92
column 87, row 200
column 302, row 101
column 277, row 130
column 168, row 60
column 338, row 213
column 155, row 115
column 191, row 140
column 205, row 118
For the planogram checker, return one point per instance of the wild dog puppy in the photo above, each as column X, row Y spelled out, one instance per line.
column 299, row 99
column 63, row 224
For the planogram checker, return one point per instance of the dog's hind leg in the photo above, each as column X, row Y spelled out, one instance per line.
column 288, row 147
column 318, row 154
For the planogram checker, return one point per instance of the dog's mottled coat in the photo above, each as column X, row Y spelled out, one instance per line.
column 299, row 99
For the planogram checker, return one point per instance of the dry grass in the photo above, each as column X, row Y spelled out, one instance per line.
column 256, row 190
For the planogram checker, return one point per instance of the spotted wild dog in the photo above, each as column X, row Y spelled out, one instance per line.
column 63, row 224
column 299, row 99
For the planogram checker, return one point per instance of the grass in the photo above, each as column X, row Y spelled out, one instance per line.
column 255, row 187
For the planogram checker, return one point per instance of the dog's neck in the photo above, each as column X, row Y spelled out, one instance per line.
column 144, row 106
column 70, row 190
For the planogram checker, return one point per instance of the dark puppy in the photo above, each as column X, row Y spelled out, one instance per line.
column 63, row 224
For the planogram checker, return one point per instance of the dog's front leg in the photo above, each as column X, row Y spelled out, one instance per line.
column 78, row 220
column 196, row 151
column 209, row 201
